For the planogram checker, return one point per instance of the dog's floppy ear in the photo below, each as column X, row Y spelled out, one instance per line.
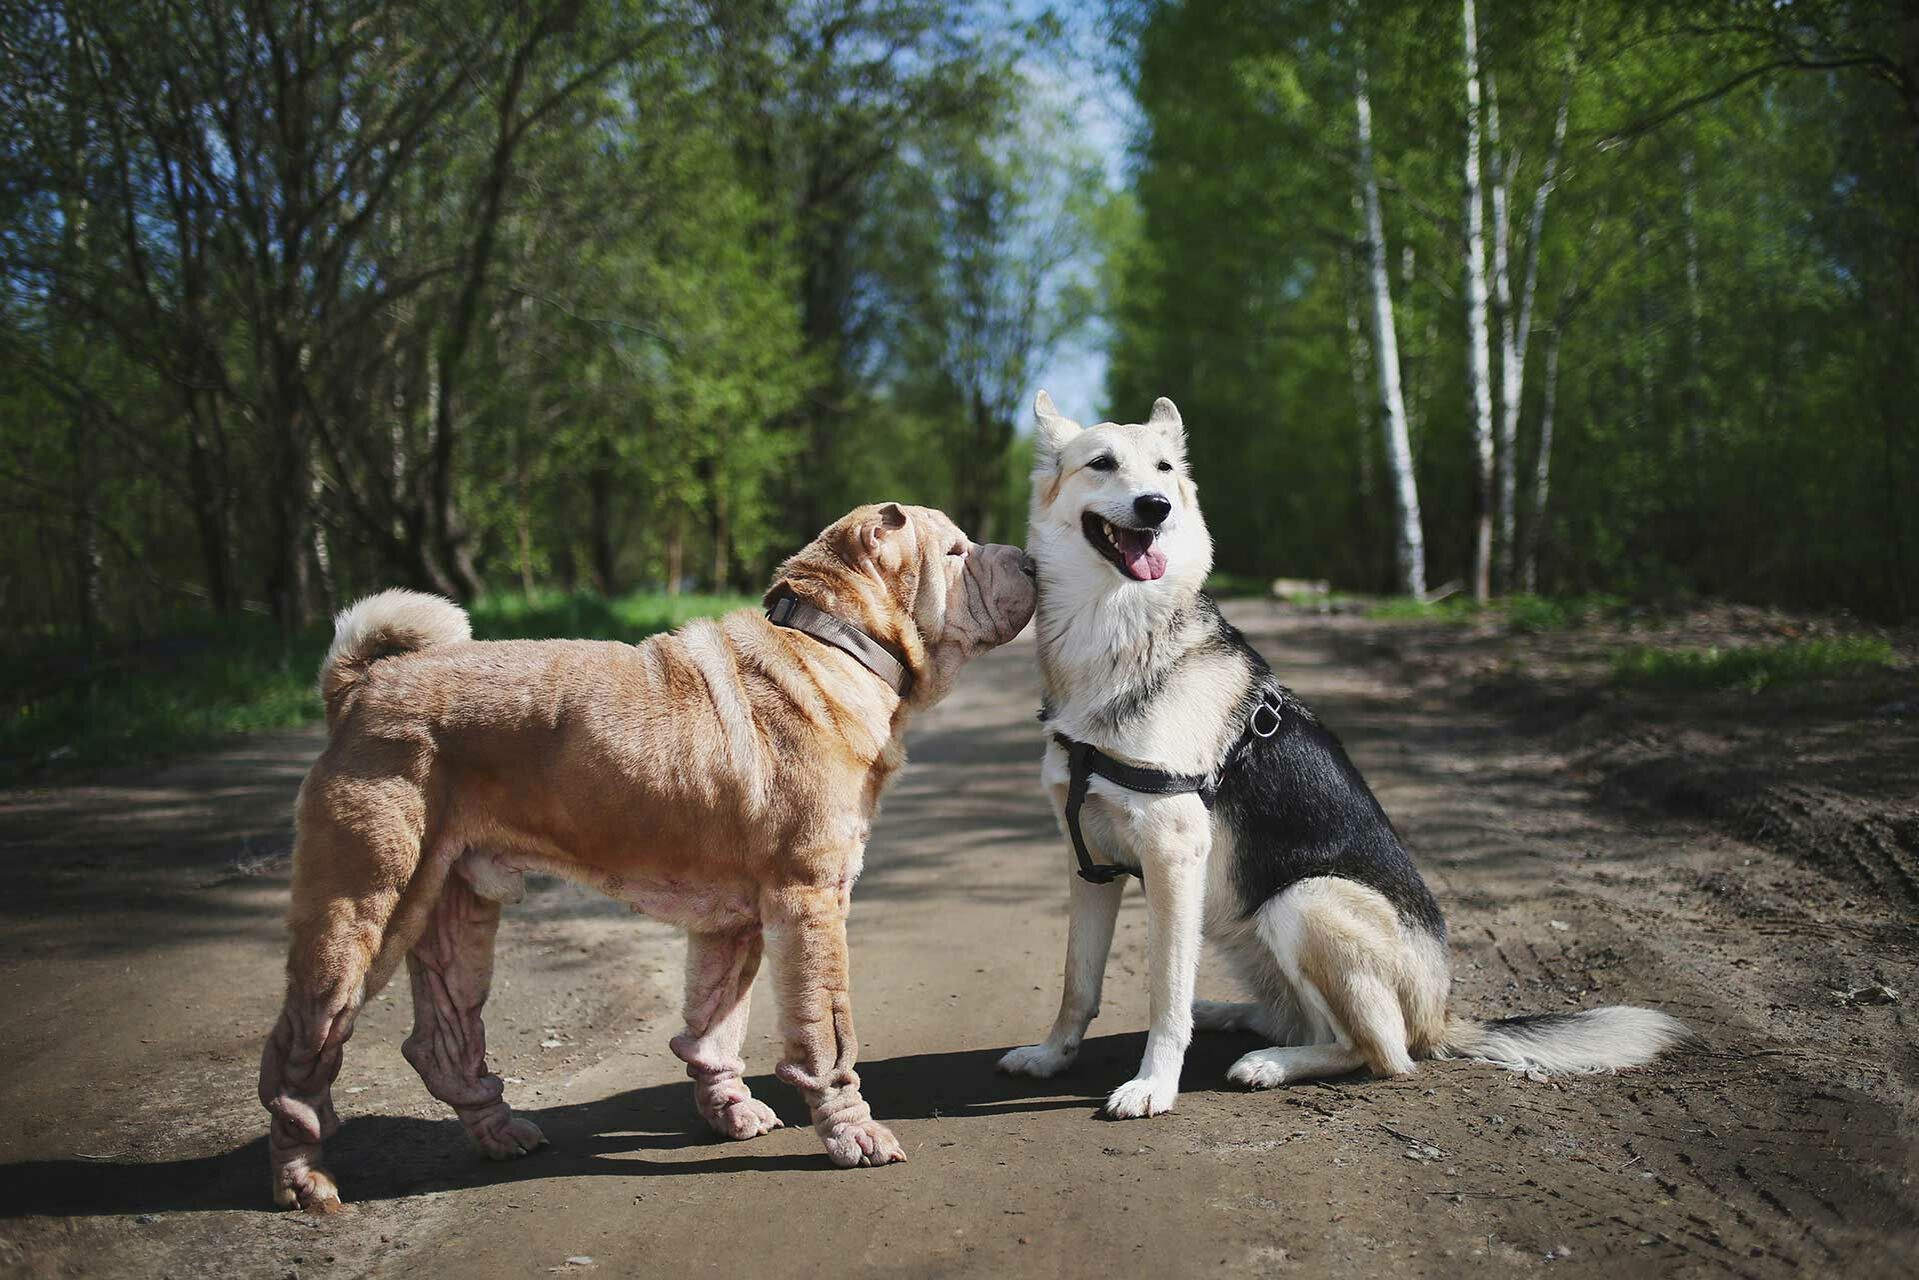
column 1052, row 432
column 1166, row 420
column 887, row 520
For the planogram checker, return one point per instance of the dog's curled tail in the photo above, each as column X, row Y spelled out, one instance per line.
column 380, row 626
column 1604, row 1039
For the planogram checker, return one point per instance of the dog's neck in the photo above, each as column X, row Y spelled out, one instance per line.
column 1104, row 652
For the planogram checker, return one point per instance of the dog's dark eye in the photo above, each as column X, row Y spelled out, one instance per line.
column 1104, row 462
column 957, row 549
column 1165, row 466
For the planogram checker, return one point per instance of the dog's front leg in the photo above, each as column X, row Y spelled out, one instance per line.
column 1175, row 876
column 806, row 941
column 1089, row 938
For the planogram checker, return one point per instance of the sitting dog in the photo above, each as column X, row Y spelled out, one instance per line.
column 721, row 778
column 1174, row 755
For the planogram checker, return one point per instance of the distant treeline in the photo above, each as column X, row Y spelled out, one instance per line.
column 301, row 298
column 1632, row 289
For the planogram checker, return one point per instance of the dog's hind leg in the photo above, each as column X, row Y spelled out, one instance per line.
column 1238, row 1015
column 1339, row 944
column 720, row 968
column 451, row 967
column 348, row 888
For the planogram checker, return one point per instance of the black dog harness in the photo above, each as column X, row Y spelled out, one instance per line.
column 1084, row 760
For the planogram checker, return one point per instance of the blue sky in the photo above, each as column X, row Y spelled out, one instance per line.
column 1075, row 375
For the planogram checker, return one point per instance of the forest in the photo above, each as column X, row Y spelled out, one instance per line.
column 301, row 299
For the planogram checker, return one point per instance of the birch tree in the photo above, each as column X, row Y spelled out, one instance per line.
column 1478, row 336
column 1410, row 542
column 1515, row 326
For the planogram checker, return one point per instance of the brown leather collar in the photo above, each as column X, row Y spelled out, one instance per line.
column 791, row 611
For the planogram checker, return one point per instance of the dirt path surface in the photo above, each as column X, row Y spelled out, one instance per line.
column 139, row 969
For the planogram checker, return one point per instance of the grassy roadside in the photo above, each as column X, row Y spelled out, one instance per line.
column 1751, row 663
column 211, row 679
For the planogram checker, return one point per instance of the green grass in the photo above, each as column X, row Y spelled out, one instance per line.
column 1754, row 668
column 1454, row 608
column 1525, row 613
column 208, row 680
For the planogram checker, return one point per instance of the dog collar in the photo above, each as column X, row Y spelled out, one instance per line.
column 791, row 611
column 1083, row 760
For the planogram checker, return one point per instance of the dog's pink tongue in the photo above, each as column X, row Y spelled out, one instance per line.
column 1147, row 564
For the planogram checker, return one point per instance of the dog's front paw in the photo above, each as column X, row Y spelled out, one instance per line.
column 1041, row 1061
column 861, row 1143
column 1142, row 1097
column 741, row 1118
column 506, row 1136
column 308, row 1187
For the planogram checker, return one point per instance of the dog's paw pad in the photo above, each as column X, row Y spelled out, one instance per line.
column 863, row 1144
column 1036, row 1060
column 1257, row 1070
column 1141, row 1097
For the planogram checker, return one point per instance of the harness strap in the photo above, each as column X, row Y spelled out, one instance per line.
column 1083, row 760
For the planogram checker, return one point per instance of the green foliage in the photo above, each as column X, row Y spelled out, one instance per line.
column 1754, row 668
column 1736, row 287
column 578, row 296
column 197, row 684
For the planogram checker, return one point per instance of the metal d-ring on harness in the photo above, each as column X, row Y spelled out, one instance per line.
column 1084, row 760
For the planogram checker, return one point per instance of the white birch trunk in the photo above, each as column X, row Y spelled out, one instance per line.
column 1542, row 466
column 1479, row 341
column 1508, row 396
column 1695, row 320
column 1410, row 546
column 1357, row 358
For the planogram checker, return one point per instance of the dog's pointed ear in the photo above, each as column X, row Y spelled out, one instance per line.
column 887, row 520
column 1165, row 419
column 1052, row 432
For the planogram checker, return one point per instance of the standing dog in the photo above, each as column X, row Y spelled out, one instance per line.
column 1236, row 807
column 721, row 779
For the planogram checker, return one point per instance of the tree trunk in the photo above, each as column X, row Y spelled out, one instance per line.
column 1507, row 400
column 1410, row 544
column 1357, row 359
column 1478, row 338
column 722, row 539
column 599, row 491
column 676, row 552
column 1542, row 465
column 1695, row 324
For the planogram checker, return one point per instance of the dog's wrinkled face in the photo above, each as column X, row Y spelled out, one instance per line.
column 1113, row 505
column 913, row 580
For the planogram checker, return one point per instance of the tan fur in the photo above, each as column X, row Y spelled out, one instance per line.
column 721, row 778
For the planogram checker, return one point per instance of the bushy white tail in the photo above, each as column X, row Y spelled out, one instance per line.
column 1604, row 1039
column 378, row 627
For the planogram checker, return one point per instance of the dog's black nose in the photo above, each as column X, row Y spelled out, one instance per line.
column 1152, row 509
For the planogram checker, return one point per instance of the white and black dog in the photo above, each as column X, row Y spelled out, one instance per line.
column 1174, row 754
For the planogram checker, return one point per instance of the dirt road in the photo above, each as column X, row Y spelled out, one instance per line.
column 139, row 968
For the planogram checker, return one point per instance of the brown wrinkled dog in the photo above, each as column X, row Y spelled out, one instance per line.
column 721, row 778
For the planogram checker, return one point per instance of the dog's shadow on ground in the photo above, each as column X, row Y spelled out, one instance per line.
column 394, row 1157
